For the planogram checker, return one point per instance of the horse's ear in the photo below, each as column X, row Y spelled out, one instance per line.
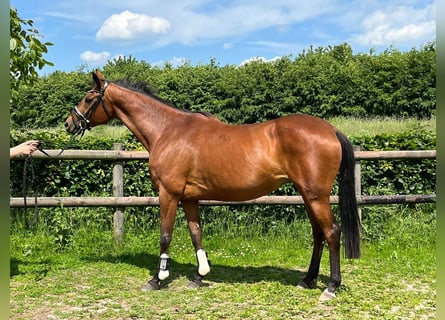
column 97, row 77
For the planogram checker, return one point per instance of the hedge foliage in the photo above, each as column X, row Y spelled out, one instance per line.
column 323, row 81
column 94, row 178
column 398, row 176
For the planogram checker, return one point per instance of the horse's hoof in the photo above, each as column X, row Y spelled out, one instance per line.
column 326, row 295
column 151, row 286
column 302, row 285
column 195, row 284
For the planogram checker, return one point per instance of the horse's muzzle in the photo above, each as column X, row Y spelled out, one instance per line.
column 70, row 127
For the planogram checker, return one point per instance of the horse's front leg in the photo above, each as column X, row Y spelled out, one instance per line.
column 191, row 209
column 168, row 206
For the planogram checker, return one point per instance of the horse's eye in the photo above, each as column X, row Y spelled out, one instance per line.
column 88, row 100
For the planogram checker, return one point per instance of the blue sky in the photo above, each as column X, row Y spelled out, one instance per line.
column 89, row 33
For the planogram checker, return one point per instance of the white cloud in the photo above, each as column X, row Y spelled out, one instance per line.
column 194, row 25
column 412, row 31
column 95, row 58
column 397, row 25
column 129, row 26
column 191, row 22
column 263, row 59
column 282, row 46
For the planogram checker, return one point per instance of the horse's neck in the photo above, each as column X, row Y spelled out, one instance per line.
column 146, row 117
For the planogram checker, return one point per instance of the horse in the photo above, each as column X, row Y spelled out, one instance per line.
column 195, row 156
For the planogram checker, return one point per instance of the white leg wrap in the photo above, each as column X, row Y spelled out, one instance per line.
column 164, row 271
column 203, row 263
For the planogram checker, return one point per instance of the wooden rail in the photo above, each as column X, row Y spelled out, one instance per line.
column 113, row 155
column 119, row 202
column 118, row 156
column 154, row 201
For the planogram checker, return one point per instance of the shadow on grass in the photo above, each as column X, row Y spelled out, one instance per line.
column 220, row 273
column 14, row 267
column 38, row 269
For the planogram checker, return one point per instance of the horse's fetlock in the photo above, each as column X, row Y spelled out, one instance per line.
column 203, row 262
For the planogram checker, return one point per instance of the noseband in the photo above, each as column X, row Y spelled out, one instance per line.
column 84, row 119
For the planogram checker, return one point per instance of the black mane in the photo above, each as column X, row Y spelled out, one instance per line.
column 141, row 87
column 144, row 88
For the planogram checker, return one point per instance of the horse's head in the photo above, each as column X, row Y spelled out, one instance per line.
column 92, row 109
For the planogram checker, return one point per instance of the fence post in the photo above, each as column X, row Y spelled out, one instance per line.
column 118, row 191
column 358, row 181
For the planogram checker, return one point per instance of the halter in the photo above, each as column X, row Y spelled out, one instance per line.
column 84, row 119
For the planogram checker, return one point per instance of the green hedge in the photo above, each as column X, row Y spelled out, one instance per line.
column 94, row 178
column 83, row 178
column 398, row 176
column 325, row 82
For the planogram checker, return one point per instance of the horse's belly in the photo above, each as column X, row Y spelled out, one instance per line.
column 234, row 190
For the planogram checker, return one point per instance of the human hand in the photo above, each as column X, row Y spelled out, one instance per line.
column 24, row 149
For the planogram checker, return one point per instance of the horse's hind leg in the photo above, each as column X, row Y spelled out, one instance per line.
column 309, row 280
column 191, row 209
column 324, row 227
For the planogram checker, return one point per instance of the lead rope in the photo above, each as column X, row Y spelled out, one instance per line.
column 29, row 161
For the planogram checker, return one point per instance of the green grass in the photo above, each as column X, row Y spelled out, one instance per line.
column 372, row 126
column 350, row 126
column 254, row 273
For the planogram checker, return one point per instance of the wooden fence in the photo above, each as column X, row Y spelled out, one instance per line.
column 118, row 156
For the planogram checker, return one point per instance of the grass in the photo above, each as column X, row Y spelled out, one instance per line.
column 364, row 126
column 350, row 126
column 254, row 274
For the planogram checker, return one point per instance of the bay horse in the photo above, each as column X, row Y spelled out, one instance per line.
column 194, row 156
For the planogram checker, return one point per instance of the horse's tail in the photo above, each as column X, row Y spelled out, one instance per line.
column 347, row 200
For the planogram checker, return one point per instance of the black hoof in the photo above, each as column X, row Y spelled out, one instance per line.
column 151, row 286
column 304, row 285
column 195, row 284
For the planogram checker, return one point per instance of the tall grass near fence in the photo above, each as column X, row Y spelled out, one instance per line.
column 62, row 224
column 90, row 231
column 348, row 125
